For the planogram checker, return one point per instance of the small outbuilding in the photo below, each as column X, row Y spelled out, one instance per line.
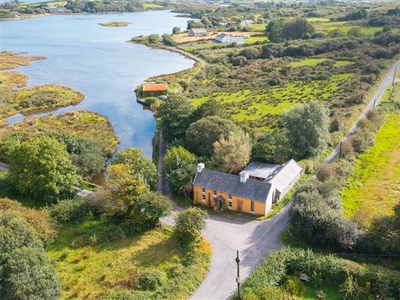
column 198, row 32
column 154, row 89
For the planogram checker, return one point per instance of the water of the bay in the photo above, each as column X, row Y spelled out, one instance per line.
column 99, row 62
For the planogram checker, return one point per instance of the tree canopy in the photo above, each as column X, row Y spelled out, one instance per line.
column 175, row 114
column 232, row 154
column 180, row 166
column 202, row 134
column 41, row 168
column 138, row 165
column 26, row 272
column 307, row 128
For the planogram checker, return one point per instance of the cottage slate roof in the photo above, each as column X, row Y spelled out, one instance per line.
column 230, row 184
column 199, row 30
column 285, row 175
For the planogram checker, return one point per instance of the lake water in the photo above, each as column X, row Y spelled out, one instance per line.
column 99, row 62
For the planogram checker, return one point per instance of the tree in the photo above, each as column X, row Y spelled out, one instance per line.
column 180, row 166
column 274, row 30
column 148, row 209
column 176, row 30
column 202, row 134
column 211, row 107
column 271, row 147
column 26, row 272
column 168, row 40
column 300, row 28
column 120, row 193
column 41, row 168
column 188, row 225
column 138, row 165
column 307, row 128
column 87, row 154
column 154, row 39
column 232, row 154
column 175, row 115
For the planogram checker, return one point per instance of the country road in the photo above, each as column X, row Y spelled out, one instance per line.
column 387, row 80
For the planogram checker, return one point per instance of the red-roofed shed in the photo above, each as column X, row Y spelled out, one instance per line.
column 154, row 89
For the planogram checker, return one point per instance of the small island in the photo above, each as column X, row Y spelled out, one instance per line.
column 115, row 24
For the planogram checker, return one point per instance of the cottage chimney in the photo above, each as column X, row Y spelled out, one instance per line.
column 243, row 176
column 200, row 167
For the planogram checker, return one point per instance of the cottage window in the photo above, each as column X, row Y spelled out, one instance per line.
column 215, row 194
column 252, row 207
column 203, row 190
column 230, row 203
column 203, row 198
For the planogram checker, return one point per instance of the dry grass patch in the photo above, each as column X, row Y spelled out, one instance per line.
column 11, row 60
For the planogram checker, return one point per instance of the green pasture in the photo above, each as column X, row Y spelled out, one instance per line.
column 318, row 20
column 312, row 62
column 59, row 3
column 257, row 27
column 374, row 189
column 151, row 6
column 260, row 107
column 255, row 39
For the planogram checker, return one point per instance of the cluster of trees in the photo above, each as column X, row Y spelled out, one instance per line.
column 280, row 30
column 49, row 167
column 304, row 133
column 26, row 272
column 200, row 134
column 80, row 6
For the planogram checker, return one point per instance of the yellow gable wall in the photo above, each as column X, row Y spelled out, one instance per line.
column 259, row 208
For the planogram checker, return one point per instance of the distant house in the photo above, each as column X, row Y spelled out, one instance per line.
column 253, row 191
column 154, row 89
column 198, row 32
column 246, row 22
column 227, row 38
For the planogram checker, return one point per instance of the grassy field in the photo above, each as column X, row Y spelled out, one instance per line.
column 247, row 105
column 312, row 62
column 152, row 6
column 91, row 271
column 374, row 189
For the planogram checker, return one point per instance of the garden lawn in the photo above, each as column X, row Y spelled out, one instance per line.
column 375, row 189
column 91, row 271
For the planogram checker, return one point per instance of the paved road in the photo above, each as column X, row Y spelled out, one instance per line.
column 253, row 239
column 387, row 80
column 3, row 166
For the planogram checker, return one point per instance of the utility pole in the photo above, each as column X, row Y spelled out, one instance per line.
column 340, row 149
column 394, row 75
column 238, row 273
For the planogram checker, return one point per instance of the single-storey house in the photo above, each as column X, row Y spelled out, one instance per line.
column 235, row 192
column 227, row 38
column 198, row 32
column 253, row 191
column 246, row 22
column 154, row 89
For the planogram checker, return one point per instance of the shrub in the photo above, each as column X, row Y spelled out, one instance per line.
column 149, row 280
column 69, row 211
column 362, row 140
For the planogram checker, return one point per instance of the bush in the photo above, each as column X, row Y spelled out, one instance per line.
column 69, row 211
column 149, row 280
